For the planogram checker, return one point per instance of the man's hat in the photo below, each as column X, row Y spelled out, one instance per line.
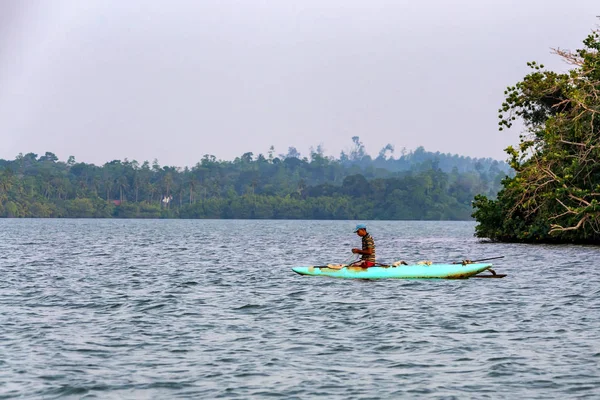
column 360, row 226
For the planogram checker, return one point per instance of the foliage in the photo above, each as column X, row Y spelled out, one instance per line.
column 414, row 186
column 554, row 195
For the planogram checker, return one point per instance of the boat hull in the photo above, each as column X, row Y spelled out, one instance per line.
column 434, row 271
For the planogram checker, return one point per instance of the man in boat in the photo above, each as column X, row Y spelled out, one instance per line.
column 367, row 253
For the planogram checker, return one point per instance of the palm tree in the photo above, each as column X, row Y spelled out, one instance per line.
column 59, row 188
column 192, row 183
column 122, row 186
column 48, row 190
column 168, row 182
column 81, row 187
column 180, row 196
column 95, row 184
column 108, row 183
column 151, row 190
column 136, row 184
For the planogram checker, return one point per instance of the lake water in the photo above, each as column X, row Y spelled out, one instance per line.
column 157, row 309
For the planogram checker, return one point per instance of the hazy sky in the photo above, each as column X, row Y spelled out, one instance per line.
column 173, row 80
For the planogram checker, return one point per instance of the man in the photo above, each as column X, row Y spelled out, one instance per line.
column 367, row 258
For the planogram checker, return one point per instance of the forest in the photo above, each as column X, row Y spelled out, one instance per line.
column 416, row 185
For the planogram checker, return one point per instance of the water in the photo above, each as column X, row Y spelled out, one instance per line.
column 210, row 309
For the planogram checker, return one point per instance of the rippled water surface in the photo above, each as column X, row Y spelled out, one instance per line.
column 210, row 309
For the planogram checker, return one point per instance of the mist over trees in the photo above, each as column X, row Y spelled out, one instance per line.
column 415, row 185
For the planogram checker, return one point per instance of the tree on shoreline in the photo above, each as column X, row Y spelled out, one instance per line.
column 554, row 196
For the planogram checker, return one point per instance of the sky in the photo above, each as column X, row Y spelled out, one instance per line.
column 174, row 80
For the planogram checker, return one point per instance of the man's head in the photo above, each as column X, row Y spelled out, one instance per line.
column 361, row 230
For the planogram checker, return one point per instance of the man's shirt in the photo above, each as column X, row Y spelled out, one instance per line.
column 368, row 243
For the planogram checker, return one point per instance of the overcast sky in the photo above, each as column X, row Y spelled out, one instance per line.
column 173, row 80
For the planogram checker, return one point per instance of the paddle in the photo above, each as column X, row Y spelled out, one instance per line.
column 339, row 266
column 476, row 261
column 332, row 266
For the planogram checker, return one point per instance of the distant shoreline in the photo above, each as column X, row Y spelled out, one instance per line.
column 419, row 185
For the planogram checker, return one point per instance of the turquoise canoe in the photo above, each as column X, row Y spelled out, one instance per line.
column 418, row 271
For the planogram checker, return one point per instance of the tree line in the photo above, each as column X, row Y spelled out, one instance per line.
column 417, row 185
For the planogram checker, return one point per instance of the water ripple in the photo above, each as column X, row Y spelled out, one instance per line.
column 210, row 309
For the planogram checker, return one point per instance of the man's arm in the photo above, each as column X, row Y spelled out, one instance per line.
column 367, row 252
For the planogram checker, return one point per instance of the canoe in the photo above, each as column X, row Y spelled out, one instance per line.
column 417, row 271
